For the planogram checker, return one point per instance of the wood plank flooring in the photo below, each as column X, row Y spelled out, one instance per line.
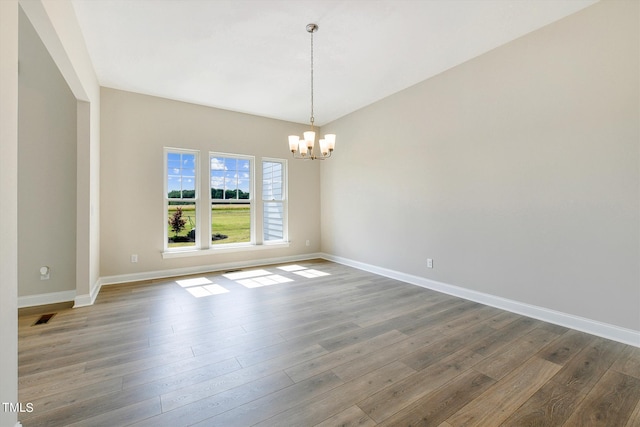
column 315, row 344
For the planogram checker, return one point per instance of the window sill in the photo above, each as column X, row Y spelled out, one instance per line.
column 184, row 253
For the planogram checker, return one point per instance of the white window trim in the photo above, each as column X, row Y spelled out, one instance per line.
column 206, row 248
column 197, row 199
column 231, row 248
column 285, row 201
column 251, row 202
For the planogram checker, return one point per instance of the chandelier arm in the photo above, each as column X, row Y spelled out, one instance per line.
column 303, row 158
column 297, row 156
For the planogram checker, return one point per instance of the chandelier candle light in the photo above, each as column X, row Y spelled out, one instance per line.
column 305, row 147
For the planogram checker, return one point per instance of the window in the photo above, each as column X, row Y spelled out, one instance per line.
column 273, row 200
column 181, row 198
column 226, row 217
column 231, row 185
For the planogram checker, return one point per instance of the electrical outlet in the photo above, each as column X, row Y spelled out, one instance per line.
column 308, row 243
column 429, row 263
column 44, row 273
column 134, row 257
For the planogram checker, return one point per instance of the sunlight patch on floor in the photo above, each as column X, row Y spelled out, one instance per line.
column 246, row 274
column 311, row 273
column 292, row 267
column 264, row 281
column 202, row 287
column 186, row 283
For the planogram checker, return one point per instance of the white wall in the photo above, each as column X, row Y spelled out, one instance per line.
column 135, row 128
column 9, row 207
column 517, row 172
column 46, row 171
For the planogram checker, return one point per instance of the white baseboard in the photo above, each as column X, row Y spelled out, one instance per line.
column 604, row 330
column 84, row 300
column 48, row 298
column 162, row 274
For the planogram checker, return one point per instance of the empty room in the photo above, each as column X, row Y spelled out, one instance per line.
column 320, row 213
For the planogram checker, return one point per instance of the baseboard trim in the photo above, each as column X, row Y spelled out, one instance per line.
column 44, row 299
column 604, row 330
column 84, row 300
column 163, row 274
column 593, row 327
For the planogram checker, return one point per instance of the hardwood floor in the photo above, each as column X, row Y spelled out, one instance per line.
column 323, row 345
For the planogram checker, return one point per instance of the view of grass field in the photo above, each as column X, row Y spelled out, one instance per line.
column 232, row 221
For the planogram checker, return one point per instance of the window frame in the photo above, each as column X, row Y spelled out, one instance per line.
column 204, row 246
column 167, row 200
column 284, row 201
column 250, row 201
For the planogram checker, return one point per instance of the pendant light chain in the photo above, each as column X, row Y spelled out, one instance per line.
column 312, row 118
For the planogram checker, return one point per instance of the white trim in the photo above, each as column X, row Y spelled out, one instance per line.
column 594, row 327
column 88, row 299
column 195, row 199
column 251, row 201
column 149, row 275
column 49, row 298
column 284, row 200
column 239, row 247
column 605, row 330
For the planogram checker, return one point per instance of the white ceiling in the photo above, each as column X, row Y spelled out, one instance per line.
column 253, row 56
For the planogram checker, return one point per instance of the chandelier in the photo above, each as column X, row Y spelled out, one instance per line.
column 305, row 148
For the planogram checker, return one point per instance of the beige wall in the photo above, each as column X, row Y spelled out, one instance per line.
column 517, row 172
column 46, row 171
column 65, row 42
column 134, row 130
column 57, row 27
